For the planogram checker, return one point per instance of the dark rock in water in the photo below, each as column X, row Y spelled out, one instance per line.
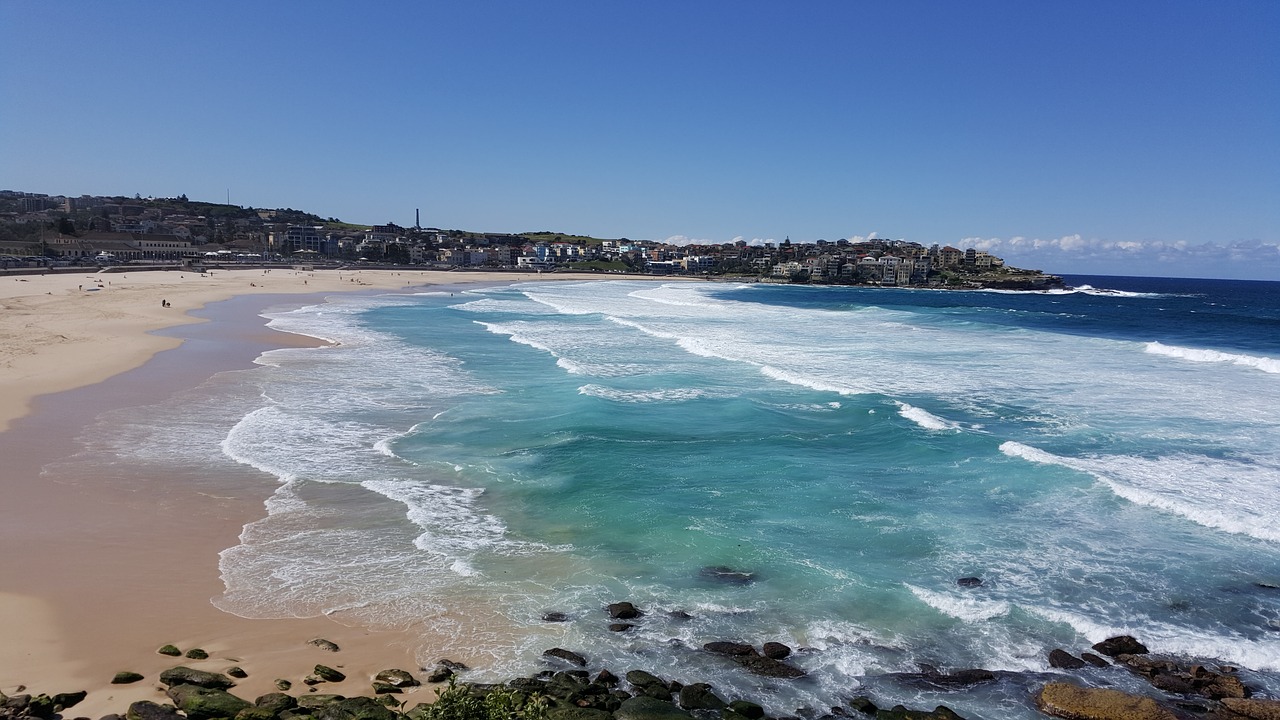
column 147, row 710
column 768, row 667
column 863, row 705
column 623, row 611
column 356, row 708
column 567, row 655
column 276, row 702
column 969, row 582
column 197, row 654
column 620, row 627
column 439, row 674
column 201, row 703
column 328, row 674
column 1065, row 700
column 1062, row 659
column 642, row 679
column 1121, row 645
column 169, row 650
column 727, row 575
column 125, row 677
column 454, row 666
column 606, row 678
column 398, row 678
column 237, row 672
column 932, row 676
column 554, row 617
column 899, row 712
column 699, row 696
column 747, row 709
column 1268, row 585
column 1094, row 660
column 323, row 644
column 647, row 708
column 775, row 650
column 186, row 676
column 729, row 648
column 679, row 615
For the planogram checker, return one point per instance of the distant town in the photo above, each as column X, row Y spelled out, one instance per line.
column 51, row 231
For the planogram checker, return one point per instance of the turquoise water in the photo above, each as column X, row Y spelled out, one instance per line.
column 1106, row 460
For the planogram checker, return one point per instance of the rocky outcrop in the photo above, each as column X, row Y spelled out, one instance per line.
column 623, row 611
column 1065, row 700
column 746, row 656
column 1064, row 660
column 568, row 656
column 1253, row 709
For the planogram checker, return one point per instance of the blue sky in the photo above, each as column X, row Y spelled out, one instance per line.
column 1114, row 137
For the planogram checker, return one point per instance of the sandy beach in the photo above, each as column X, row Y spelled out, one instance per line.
column 95, row 577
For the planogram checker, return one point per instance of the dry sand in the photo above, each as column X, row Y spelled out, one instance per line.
column 94, row 578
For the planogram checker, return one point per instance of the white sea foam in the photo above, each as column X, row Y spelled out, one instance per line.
column 1239, row 497
column 924, row 418
column 969, row 609
column 649, row 396
column 1265, row 364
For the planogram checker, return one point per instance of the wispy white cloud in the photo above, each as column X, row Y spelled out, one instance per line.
column 1076, row 253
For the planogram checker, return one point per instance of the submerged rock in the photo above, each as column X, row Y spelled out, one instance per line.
column 554, row 617
column 721, row 647
column 969, row 582
column 568, row 656
column 727, row 575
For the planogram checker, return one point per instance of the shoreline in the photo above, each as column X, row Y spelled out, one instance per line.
column 94, row 567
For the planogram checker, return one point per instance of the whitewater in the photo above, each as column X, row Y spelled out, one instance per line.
column 1107, row 461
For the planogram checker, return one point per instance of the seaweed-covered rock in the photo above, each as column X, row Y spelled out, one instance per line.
column 568, row 656
column 125, row 677
column 182, row 675
column 1121, row 645
column 1064, row 660
column 647, row 708
column 356, row 708
column 147, row 710
column 324, row 644
column 41, row 706
column 328, row 674
column 169, row 650
column 699, row 696
column 396, row 677
column 197, row 654
column 255, row 713
column 1066, row 700
column 202, row 703
column 276, row 702
column 623, row 611
column 318, row 700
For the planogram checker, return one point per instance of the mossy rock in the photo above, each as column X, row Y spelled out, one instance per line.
column 648, row 708
column 328, row 674
column 147, row 710
column 197, row 654
column 276, row 702
column 201, row 703
column 282, row 684
column 255, row 713
column 170, row 650
column 125, row 677
column 356, row 708
column 186, row 676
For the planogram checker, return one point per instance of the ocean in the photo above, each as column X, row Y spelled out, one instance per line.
column 816, row 466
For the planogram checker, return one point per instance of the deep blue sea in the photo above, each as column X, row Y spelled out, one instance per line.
column 1105, row 459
